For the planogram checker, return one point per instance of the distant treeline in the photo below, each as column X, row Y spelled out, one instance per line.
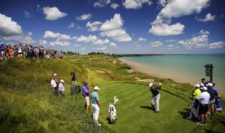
column 121, row 55
column 71, row 53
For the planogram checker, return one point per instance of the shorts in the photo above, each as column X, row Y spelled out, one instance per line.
column 87, row 101
column 203, row 108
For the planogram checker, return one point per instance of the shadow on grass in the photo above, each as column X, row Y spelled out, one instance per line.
column 185, row 113
column 147, row 107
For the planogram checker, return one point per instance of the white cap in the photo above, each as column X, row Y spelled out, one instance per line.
column 197, row 85
column 96, row 88
column 210, row 84
column 201, row 85
column 55, row 74
column 62, row 80
column 150, row 84
column 204, row 88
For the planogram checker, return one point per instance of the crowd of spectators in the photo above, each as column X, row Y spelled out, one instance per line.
column 27, row 51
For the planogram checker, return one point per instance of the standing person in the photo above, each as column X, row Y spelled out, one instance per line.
column 2, row 51
column 54, row 84
column 203, row 81
column 73, row 78
column 19, row 51
column 203, row 98
column 154, row 88
column 213, row 94
column 85, row 93
column 194, row 114
column 73, row 82
column 95, row 105
column 218, row 104
column 62, row 88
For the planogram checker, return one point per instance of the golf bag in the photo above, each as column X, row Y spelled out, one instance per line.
column 112, row 111
column 194, row 114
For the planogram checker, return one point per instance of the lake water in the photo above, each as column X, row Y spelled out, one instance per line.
column 189, row 67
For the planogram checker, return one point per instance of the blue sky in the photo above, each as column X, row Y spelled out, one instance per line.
column 116, row 26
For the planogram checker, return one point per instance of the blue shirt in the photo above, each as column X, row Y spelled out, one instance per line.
column 213, row 92
column 94, row 97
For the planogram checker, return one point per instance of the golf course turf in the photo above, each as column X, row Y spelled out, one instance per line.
column 28, row 105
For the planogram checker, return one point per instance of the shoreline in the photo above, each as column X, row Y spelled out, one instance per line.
column 176, row 77
column 157, row 72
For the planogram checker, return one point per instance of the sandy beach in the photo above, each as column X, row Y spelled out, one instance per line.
column 158, row 72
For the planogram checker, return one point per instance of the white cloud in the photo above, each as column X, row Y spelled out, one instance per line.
column 114, row 28
column 8, row 27
column 162, row 2
column 113, row 44
column 22, row 38
column 114, row 23
column 59, row 43
column 92, row 39
column 27, row 14
column 135, row 4
column 56, row 35
column 101, row 3
column 216, row 45
column 118, row 35
column 155, row 44
column 93, row 26
column 174, row 9
column 27, row 38
column 178, row 8
column 163, row 29
column 42, row 42
column 71, row 26
column 198, row 41
column 141, row 39
column 84, row 17
column 201, row 40
column 53, row 13
column 208, row 17
column 114, row 5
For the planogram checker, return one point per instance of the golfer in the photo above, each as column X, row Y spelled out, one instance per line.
column 95, row 104
column 154, row 88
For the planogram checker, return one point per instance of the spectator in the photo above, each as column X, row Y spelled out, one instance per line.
column 85, row 93
column 54, row 84
column 96, row 105
column 213, row 94
column 61, row 88
column 203, row 98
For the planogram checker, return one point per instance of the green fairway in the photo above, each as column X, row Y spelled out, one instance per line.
column 135, row 114
column 27, row 103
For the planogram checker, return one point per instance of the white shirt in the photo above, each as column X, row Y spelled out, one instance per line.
column 53, row 83
column 61, row 87
column 204, row 97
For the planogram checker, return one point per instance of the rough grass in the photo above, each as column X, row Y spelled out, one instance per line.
column 27, row 103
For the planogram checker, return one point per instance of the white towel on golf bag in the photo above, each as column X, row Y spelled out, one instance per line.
column 112, row 110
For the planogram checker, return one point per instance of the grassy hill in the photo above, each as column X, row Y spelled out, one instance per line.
column 28, row 105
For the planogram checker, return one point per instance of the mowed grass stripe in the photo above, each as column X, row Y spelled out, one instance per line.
column 114, row 89
column 130, row 112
